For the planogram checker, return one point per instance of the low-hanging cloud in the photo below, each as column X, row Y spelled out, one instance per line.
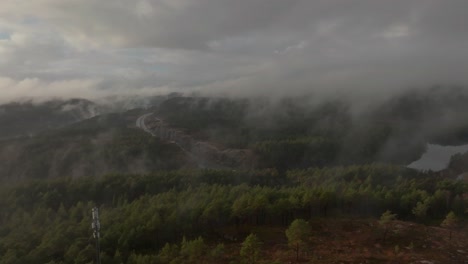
column 39, row 90
column 356, row 48
column 12, row 89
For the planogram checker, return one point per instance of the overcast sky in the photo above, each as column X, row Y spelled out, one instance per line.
column 98, row 47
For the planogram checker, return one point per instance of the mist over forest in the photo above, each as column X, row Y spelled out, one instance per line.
column 221, row 131
column 157, row 167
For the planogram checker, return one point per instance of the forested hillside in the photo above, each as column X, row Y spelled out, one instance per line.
column 301, row 132
column 28, row 118
column 202, row 216
column 233, row 132
column 93, row 147
column 335, row 174
column 285, row 133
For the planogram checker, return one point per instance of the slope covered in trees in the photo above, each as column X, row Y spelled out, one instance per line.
column 301, row 132
column 145, row 218
column 316, row 163
column 92, row 147
column 26, row 118
column 288, row 133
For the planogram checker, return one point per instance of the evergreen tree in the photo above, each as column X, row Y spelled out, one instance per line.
column 450, row 222
column 250, row 250
column 192, row 249
column 386, row 221
column 298, row 235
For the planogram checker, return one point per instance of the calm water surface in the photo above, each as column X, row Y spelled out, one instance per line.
column 437, row 157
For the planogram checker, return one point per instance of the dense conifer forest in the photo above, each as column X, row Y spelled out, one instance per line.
column 324, row 183
column 191, row 215
column 233, row 131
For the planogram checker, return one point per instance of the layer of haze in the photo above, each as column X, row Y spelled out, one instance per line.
column 363, row 48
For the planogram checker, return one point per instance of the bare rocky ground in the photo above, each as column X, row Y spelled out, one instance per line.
column 206, row 154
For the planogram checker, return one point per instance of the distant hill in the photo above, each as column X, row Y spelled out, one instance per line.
column 70, row 139
column 93, row 147
column 29, row 118
column 299, row 132
column 156, row 206
column 126, row 102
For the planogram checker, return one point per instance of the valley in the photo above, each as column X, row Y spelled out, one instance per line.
column 188, row 179
column 233, row 132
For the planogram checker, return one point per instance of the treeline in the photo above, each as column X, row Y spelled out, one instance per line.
column 28, row 117
column 286, row 134
column 101, row 145
column 291, row 132
column 394, row 131
column 296, row 152
column 49, row 221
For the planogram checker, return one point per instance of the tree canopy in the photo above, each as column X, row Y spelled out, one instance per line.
column 298, row 235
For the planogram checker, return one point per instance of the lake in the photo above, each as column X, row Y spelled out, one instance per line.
column 437, row 157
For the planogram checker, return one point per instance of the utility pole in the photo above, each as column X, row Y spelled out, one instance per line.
column 96, row 225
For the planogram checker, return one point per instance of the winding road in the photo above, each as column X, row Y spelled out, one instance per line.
column 140, row 123
column 200, row 161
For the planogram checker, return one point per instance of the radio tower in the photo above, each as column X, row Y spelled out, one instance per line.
column 96, row 228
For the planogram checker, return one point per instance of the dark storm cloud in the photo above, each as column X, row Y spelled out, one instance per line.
column 351, row 47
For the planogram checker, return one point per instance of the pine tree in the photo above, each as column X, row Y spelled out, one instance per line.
column 386, row 221
column 298, row 234
column 250, row 250
column 450, row 222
